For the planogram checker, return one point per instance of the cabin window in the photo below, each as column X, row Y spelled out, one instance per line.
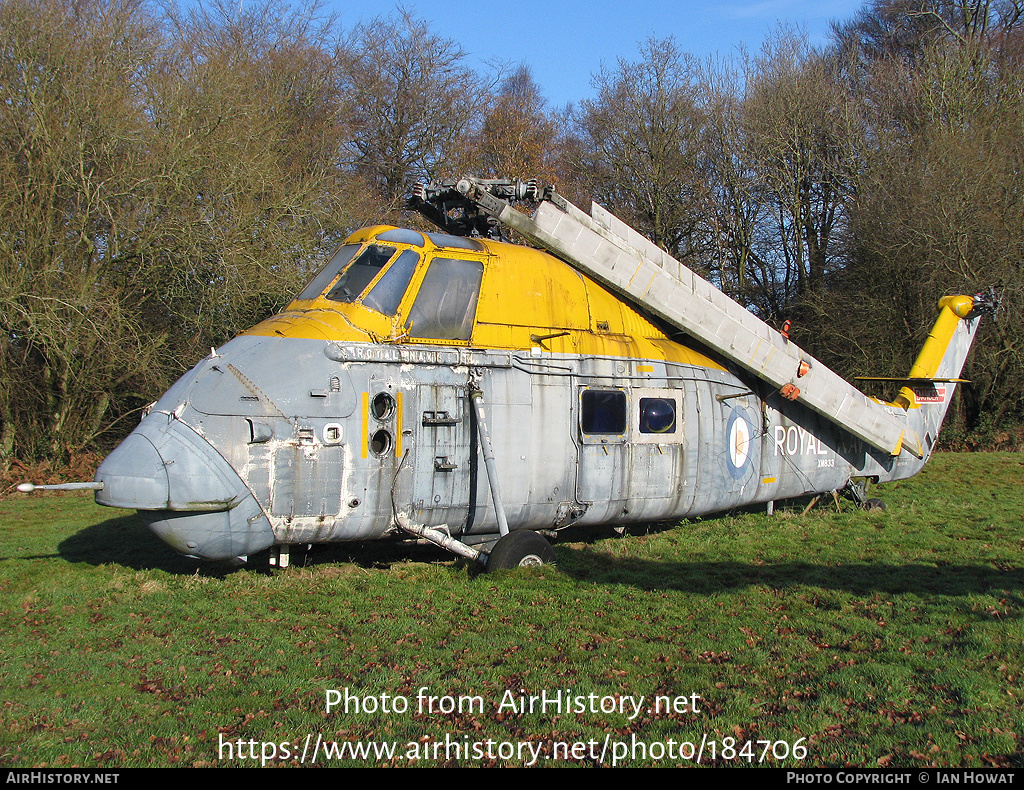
column 329, row 272
column 381, row 443
column 387, row 294
column 657, row 415
column 360, row 273
column 446, row 303
column 603, row 412
column 382, row 406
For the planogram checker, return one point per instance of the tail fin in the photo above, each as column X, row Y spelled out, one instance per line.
column 933, row 378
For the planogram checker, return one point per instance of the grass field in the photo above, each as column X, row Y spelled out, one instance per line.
column 826, row 639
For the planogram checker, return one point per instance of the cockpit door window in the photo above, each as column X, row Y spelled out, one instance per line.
column 360, row 273
column 387, row 292
column 445, row 306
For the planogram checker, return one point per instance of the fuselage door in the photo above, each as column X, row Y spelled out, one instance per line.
column 441, row 489
column 602, row 474
column 661, row 465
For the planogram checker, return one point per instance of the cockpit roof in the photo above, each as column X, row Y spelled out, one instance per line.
column 388, row 284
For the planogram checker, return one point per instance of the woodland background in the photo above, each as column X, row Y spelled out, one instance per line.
column 170, row 176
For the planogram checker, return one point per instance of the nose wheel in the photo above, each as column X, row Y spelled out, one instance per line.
column 520, row 549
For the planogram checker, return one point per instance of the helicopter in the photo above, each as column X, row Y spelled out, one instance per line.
column 482, row 395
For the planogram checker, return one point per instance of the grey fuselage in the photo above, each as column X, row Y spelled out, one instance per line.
column 287, row 441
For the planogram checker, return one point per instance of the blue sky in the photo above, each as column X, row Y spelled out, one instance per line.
column 565, row 43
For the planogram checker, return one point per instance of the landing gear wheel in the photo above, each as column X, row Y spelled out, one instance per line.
column 520, row 549
column 874, row 504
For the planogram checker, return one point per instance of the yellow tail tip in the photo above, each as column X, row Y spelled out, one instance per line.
column 961, row 305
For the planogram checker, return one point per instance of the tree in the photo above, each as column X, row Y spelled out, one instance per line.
column 903, row 30
column 518, row 136
column 161, row 187
column 938, row 206
column 795, row 134
column 412, row 101
column 73, row 156
column 641, row 147
column 248, row 117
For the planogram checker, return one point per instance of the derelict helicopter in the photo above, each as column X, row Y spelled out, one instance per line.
column 483, row 395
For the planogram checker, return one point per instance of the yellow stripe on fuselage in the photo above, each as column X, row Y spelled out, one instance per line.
column 398, row 425
column 366, row 424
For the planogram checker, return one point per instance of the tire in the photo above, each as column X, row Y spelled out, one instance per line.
column 520, row 549
column 874, row 504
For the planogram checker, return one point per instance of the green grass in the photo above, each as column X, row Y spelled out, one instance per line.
column 867, row 638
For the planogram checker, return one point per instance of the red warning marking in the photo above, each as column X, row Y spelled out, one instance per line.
column 930, row 394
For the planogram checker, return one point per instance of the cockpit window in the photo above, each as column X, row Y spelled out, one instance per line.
column 387, row 294
column 402, row 236
column 329, row 272
column 446, row 303
column 456, row 242
column 359, row 273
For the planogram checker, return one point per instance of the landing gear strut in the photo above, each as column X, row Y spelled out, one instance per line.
column 858, row 491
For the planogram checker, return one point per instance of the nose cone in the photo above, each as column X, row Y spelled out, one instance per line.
column 164, row 464
column 185, row 491
column 134, row 476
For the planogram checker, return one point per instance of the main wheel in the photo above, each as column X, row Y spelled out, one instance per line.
column 874, row 504
column 520, row 549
